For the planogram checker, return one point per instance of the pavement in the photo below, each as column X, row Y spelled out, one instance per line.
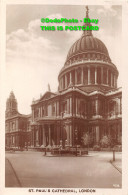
column 117, row 164
column 33, row 169
column 11, row 176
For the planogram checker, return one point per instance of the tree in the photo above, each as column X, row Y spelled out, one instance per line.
column 105, row 141
column 87, row 139
column 120, row 140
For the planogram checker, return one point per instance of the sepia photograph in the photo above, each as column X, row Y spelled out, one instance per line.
column 63, row 93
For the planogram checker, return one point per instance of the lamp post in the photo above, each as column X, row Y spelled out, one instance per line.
column 113, row 154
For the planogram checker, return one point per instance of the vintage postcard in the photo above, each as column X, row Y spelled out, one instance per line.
column 63, row 70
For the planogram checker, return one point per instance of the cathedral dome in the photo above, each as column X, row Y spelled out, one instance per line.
column 88, row 44
column 87, row 47
column 88, row 64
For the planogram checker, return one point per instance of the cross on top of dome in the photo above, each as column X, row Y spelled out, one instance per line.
column 87, row 32
column 87, row 11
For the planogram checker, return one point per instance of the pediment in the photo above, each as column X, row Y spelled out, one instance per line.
column 47, row 95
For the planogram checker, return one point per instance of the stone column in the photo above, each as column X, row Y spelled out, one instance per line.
column 70, row 105
column 70, row 77
column 62, row 83
column 114, row 80
column 96, row 75
column 57, row 108
column 111, row 79
column 17, row 124
column 15, row 140
column 101, row 75
column 65, row 81
column 34, row 137
column 44, row 138
column 68, row 135
column 97, row 134
column 115, row 108
column 49, row 135
column 76, row 106
column 82, row 76
column 107, row 76
column 58, row 133
column 37, row 136
column 70, row 128
column 96, row 104
column 75, row 76
column 89, row 75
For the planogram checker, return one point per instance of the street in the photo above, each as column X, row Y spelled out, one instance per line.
column 33, row 169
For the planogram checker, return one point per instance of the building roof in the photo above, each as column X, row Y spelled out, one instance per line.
column 87, row 44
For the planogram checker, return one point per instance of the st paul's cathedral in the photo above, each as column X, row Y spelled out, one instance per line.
column 87, row 101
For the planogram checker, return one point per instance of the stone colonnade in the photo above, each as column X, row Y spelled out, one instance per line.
column 68, row 134
column 51, row 134
column 89, row 75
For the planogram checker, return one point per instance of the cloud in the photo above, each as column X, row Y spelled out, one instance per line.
column 33, row 59
column 107, row 10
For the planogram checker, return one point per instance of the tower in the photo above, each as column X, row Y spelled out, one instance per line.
column 11, row 105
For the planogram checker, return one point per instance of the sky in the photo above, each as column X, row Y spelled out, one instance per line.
column 34, row 57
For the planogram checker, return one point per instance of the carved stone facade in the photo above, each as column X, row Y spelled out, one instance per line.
column 57, row 119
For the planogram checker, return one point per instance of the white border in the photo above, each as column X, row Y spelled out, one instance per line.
column 124, row 3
